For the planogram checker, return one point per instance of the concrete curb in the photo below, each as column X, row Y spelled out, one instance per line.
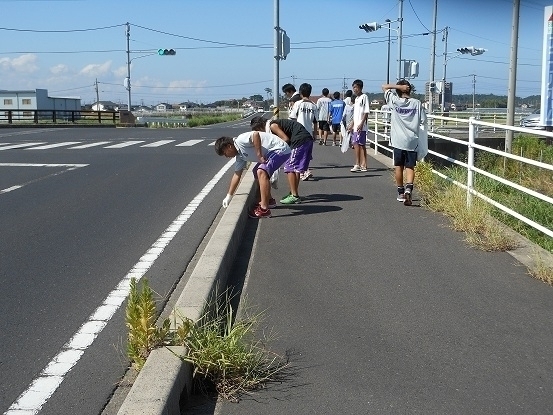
column 163, row 379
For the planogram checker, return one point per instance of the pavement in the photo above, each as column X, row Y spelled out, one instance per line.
column 383, row 308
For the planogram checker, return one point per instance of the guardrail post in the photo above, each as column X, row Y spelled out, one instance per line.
column 470, row 161
column 54, row 116
column 10, row 117
column 35, row 116
column 375, row 133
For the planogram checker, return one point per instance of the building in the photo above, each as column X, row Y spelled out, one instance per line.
column 437, row 95
column 23, row 104
column 104, row 106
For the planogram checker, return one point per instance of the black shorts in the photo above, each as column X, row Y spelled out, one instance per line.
column 405, row 158
column 336, row 128
column 323, row 125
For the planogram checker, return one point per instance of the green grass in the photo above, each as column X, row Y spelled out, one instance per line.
column 435, row 190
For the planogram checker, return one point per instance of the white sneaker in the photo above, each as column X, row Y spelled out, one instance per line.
column 400, row 198
column 362, row 169
column 355, row 168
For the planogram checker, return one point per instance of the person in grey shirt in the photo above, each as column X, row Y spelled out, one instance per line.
column 408, row 115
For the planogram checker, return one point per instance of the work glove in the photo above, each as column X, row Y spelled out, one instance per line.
column 226, row 201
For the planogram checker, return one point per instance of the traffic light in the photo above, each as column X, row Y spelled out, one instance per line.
column 432, row 87
column 166, row 52
column 471, row 50
column 370, row 27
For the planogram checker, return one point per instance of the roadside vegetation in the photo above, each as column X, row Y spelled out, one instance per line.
column 479, row 221
column 229, row 355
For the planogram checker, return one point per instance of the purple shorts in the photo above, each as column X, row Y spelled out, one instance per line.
column 299, row 158
column 273, row 161
column 359, row 138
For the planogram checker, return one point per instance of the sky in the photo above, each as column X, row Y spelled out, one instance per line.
column 224, row 49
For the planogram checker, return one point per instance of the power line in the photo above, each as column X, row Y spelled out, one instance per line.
column 59, row 31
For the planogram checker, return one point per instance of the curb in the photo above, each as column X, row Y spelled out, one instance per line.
column 160, row 384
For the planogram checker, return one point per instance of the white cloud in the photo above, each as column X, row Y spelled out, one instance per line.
column 96, row 69
column 187, row 84
column 23, row 64
column 120, row 72
column 59, row 69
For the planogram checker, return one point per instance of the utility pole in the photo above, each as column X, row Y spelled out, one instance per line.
column 97, row 96
column 432, row 58
column 400, row 36
column 473, row 92
column 445, row 68
column 276, row 87
column 128, row 33
column 511, row 94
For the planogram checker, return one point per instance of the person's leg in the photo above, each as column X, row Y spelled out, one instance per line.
column 264, row 188
column 363, row 157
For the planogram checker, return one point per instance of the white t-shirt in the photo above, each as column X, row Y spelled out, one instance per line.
column 246, row 150
column 304, row 112
column 323, row 108
column 361, row 106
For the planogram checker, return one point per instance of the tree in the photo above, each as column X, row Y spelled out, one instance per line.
column 269, row 92
column 256, row 98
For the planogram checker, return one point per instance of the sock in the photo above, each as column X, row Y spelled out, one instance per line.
column 400, row 190
column 409, row 187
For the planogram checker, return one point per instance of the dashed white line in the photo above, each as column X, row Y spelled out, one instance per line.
column 44, row 386
column 99, row 143
column 49, row 146
column 125, row 144
column 189, row 143
column 158, row 143
column 21, row 145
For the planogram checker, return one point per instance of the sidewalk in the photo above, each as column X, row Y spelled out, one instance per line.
column 383, row 309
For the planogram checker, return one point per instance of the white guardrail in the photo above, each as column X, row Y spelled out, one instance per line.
column 379, row 127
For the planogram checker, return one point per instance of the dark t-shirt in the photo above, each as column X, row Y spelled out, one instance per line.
column 296, row 132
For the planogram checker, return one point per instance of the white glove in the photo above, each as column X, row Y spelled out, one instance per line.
column 226, row 201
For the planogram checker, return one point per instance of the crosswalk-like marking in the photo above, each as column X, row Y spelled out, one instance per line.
column 48, row 146
column 189, row 143
column 99, row 143
column 158, row 143
column 21, row 145
column 125, row 144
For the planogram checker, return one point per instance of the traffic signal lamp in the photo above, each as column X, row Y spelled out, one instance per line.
column 166, row 52
column 471, row 50
column 370, row 27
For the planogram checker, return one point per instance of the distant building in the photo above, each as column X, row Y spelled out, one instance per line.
column 437, row 95
column 24, row 103
column 163, row 106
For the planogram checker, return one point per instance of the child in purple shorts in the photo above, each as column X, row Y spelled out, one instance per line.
column 361, row 109
column 301, row 144
column 268, row 150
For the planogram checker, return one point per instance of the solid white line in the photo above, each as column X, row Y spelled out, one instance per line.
column 41, row 165
column 19, row 146
column 158, row 143
column 44, row 386
column 48, row 146
column 9, row 189
column 99, row 143
column 125, row 144
column 189, row 143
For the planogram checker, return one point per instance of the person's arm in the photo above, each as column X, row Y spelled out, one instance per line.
column 234, row 181
column 402, row 88
column 256, row 140
column 276, row 130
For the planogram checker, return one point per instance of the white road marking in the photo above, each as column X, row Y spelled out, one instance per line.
column 189, row 143
column 68, row 167
column 48, row 146
column 158, row 143
column 45, row 385
column 99, row 143
column 125, row 144
column 21, row 145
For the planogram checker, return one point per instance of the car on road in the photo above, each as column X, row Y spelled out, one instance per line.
column 532, row 120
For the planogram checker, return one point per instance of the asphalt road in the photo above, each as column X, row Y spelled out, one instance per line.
column 75, row 219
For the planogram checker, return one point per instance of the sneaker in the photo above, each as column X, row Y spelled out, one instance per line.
column 321, row 142
column 401, row 197
column 407, row 201
column 258, row 213
column 272, row 203
column 362, row 168
column 355, row 168
column 290, row 199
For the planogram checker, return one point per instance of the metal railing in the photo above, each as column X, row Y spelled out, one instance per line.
column 379, row 128
column 11, row 117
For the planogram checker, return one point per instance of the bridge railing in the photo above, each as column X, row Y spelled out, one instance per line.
column 467, row 131
column 12, row 117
